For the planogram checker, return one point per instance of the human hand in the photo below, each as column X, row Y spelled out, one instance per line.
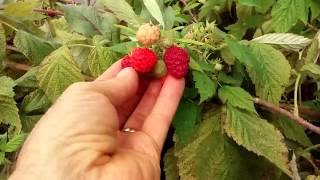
column 80, row 136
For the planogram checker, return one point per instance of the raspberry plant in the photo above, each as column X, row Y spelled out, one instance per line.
column 251, row 105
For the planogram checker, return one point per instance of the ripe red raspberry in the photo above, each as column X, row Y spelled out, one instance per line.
column 177, row 61
column 125, row 62
column 141, row 59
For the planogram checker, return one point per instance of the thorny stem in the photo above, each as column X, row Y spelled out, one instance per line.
column 288, row 114
column 296, row 89
column 189, row 11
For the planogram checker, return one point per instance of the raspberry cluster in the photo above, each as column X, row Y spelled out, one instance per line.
column 144, row 60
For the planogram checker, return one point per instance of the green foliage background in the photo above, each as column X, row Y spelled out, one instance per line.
column 239, row 49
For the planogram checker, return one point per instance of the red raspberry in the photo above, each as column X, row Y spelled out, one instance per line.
column 125, row 62
column 141, row 59
column 177, row 61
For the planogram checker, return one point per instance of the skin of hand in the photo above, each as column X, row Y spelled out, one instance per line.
column 80, row 136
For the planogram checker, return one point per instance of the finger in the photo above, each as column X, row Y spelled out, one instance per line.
column 159, row 120
column 111, row 72
column 145, row 106
column 120, row 88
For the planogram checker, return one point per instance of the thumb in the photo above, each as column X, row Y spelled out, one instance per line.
column 120, row 88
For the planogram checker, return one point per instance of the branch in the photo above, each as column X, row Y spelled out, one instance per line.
column 49, row 12
column 25, row 67
column 189, row 11
column 303, row 111
column 288, row 114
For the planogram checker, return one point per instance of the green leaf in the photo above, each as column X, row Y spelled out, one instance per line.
column 122, row 10
column 6, row 87
column 124, row 47
column 28, row 122
column 29, row 79
column 169, row 17
column 64, row 37
column 257, row 135
column 273, row 75
column 287, row 40
column 57, row 72
column 206, row 87
column 185, row 120
column 36, row 101
column 14, row 143
column 155, row 11
column 267, row 67
column 3, row 45
column 312, row 70
column 100, row 59
column 237, row 97
column 312, row 52
column 33, row 47
column 255, row 3
column 286, row 13
column 292, row 131
column 315, row 9
column 85, row 20
column 210, row 155
column 240, row 28
column 265, row 5
column 9, row 113
column 170, row 165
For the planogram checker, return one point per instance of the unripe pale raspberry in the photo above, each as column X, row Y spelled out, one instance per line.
column 148, row 34
column 141, row 59
column 218, row 67
column 177, row 61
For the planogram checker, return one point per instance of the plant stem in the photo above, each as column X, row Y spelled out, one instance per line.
column 8, row 47
column 9, row 25
column 296, row 89
column 189, row 11
column 25, row 67
column 49, row 11
column 288, row 114
column 81, row 45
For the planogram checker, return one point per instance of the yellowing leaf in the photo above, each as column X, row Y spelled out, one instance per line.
column 23, row 10
column 57, row 72
column 206, row 87
column 6, row 86
column 100, row 59
column 33, row 47
column 170, row 165
column 9, row 113
column 210, row 155
column 286, row 13
column 258, row 136
column 3, row 45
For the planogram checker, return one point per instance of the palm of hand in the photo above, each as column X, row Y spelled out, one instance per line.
column 83, row 131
